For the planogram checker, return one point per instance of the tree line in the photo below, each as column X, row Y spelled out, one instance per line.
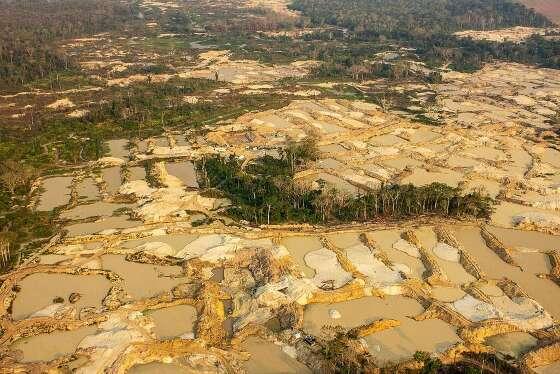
column 418, row 18
column 266, row 192
column 28, row 29
column 428, row 27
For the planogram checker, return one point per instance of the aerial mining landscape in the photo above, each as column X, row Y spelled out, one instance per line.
column 280, row 186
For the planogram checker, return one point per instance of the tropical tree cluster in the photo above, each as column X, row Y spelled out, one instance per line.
column 266, row 192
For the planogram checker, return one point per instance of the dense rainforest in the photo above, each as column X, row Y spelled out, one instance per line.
column 29, row 27
column 428, row 27
column 418, row 18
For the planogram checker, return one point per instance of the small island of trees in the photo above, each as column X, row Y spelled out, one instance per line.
column 265, row 192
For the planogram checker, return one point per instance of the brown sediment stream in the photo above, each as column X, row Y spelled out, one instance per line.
column 359, row 312
column 384, row 240
column 108, row 223
column 400, row 163
column 47, row 347
column 174, row 321
column 544, row 291
column 98, row 208
column 52, row 259
column 112, row 176
column 447, row 294
column 39, row 290
column 175, row 241
column 143, row 280
column 454, row 271
column 118, row 148
column 87, row 189
column 267, row 357
column 526, row 239
column 553, row 368
column 299, row 246
column 56, row 193
column 533, row 262
column 389, row 345
column 514, row 344
column 421, row 177
column 185, row 171
column 400, row 343
column 345, row 240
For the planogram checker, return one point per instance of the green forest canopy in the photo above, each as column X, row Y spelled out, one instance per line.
column 428, row 27
column 419, row 18
column 265, row 192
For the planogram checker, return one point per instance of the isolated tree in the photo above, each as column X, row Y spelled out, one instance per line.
column 4, row 252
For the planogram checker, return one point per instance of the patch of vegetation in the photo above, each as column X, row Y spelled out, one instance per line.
column 136, row 112
column 23, row 226
column 164, row 45
column 341, row 353
column 265, row 192
column 344, row 354
column 51, row 143
column 422, row 118
column 469, row 363
column 60, row 81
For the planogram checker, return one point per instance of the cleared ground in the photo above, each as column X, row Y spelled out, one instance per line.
column 549, row 8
